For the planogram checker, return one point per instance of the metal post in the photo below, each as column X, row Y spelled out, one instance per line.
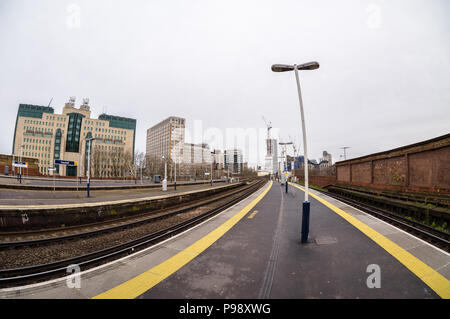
column 286, row 166
column 164, row 183
column 306, row 204
column 21, row 153
column 211, row 174
column 79, row 169
column 20, row 168
column 175, row 182
column 89, row 168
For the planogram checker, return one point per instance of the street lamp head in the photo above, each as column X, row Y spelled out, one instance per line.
column 308, row 66
column 282, row 67
column 285, row 67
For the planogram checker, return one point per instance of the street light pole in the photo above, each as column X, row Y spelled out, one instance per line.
column 305, row 148
column 89, row 165
column 306, row 204
column 164, row 184
column 20, row 168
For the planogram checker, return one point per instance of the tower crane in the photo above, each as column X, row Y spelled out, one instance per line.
column 269, row 126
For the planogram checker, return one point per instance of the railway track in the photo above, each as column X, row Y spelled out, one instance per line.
column 434, row 236
column 102, row 227
column 37, row 273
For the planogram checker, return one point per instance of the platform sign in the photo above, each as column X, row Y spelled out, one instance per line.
column 20, row 164
column 68, row 163
column 51, row 168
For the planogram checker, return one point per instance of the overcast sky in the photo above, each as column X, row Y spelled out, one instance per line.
column 383, row 80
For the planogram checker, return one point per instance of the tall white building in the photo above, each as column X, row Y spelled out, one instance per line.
column 166, row 139
column 271, row 160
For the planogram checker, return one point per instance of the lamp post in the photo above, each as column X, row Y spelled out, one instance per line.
column 175, row 181
column 211, row 173
column 164, row 183
column 89, row 165
column 175, row 177
column 306, row 204
column 20, row 168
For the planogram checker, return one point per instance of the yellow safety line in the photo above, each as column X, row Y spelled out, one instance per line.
column 145, row 281
column 428, row 275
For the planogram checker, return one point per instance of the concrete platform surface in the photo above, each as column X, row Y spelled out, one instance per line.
column 253, row 250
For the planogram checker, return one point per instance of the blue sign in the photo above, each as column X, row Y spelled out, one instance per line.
column 69, row 163
column 20, row 164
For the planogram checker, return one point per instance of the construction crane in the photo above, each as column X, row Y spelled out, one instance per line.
column 269, row 126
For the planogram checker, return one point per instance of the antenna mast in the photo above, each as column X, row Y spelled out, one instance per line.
column 344, row 148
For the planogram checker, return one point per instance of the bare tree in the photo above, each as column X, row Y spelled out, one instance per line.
column 139, row 162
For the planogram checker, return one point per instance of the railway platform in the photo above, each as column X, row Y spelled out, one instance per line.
column 253, row 251
column 20, row 197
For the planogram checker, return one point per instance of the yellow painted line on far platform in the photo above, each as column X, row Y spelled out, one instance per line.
column 252, row 214
column 428, row 275
column 145, row 281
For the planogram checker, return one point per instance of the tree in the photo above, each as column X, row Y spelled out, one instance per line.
column 139, row 162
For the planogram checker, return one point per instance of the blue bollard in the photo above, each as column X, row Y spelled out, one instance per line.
column 305, row 222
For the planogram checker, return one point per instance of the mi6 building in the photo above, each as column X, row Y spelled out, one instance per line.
column 46, row 136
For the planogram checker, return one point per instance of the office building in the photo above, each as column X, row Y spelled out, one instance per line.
column 46, row 136
column 271, row 160
column 233, row 161
column 166, row 139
